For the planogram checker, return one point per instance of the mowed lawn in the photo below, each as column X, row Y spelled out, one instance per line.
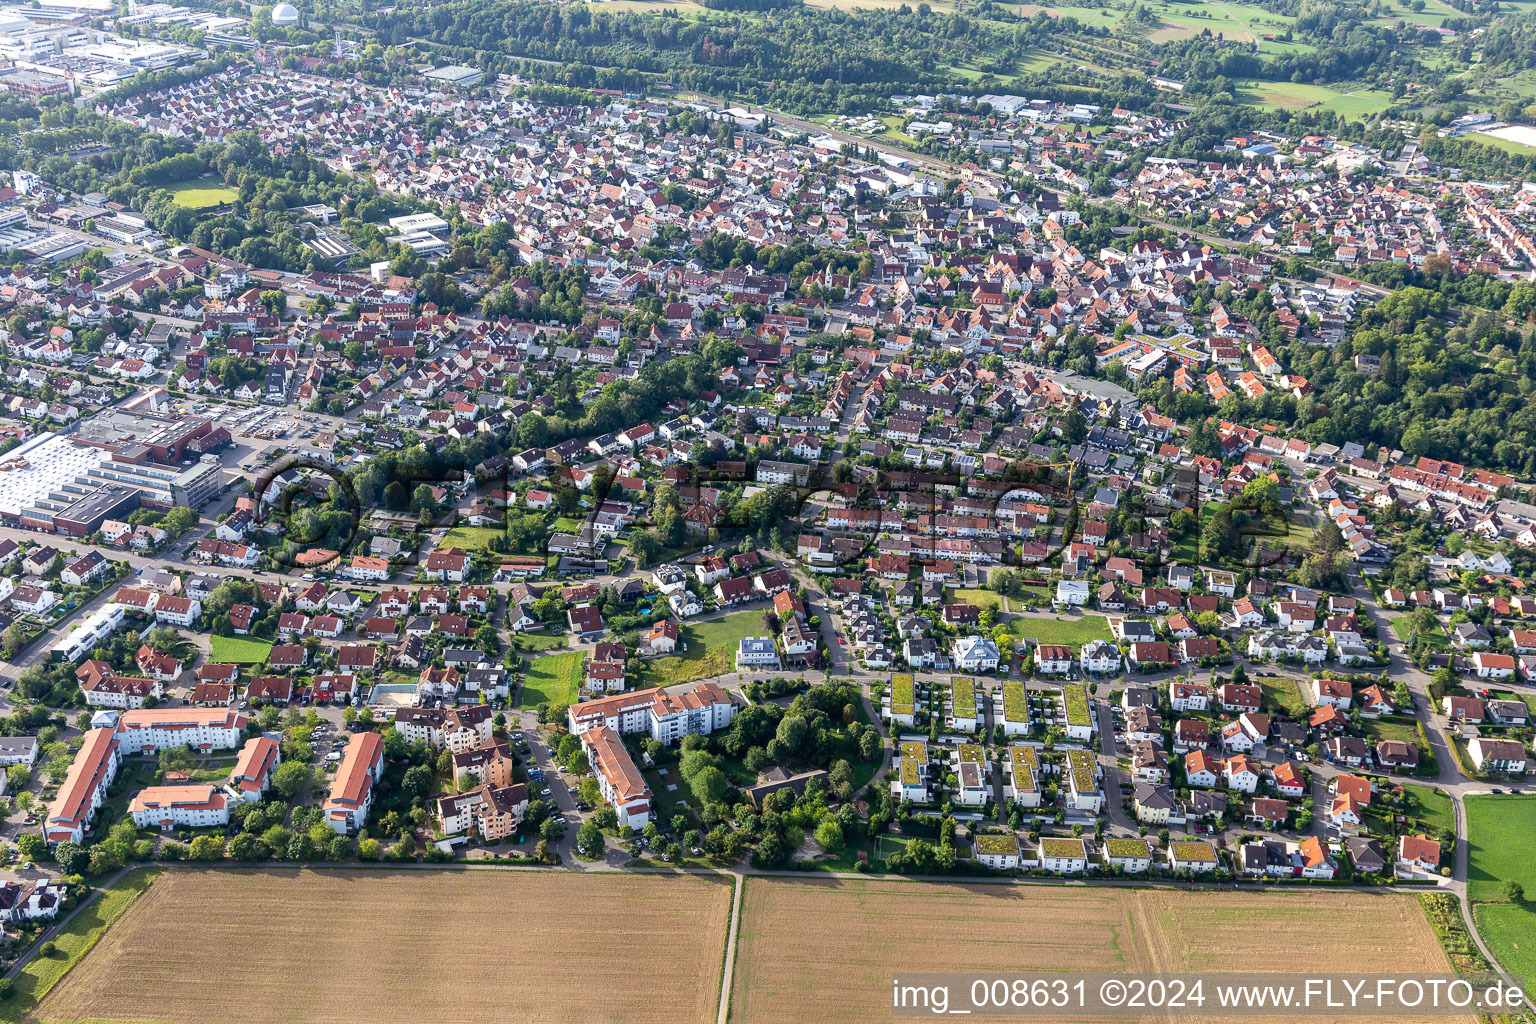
column 1431, row 807
column 712, row 647
column 398, row 947
column 239, row 650
column 552, row 679
column 1501, row 846
column 202, row 193
column 1075, row 630
column 1402, row 628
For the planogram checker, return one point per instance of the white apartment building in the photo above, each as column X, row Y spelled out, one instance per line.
column 85, row 787
column 91, row 633
column 168, row 807
column 664, row 716
column 151, row 730
column 620, row 781
column 346, row 807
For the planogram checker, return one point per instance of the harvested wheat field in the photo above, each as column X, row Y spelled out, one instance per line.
column 266, row 947
column 840, row 968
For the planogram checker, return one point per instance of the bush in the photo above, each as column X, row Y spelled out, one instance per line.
column 47, row 949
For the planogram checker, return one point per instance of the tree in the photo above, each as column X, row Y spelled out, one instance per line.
column 245, row 847
column 486, row 639
column 300, row 847
column 840, row 780
column 792, row 731
column 17, row 776
column 31, row 846
column 645, row 544
column 417, row 780
column 590, row 792
column 207, row 848
column 708, row 785
column 370, row 849
column 829, row 836
column 422, row 499
column 277, row 839
column 292, row 778
column 589, row 839
column 1514, row 891
column 104, row 860
column 72, row 858
column 163, row 638
column 870, row 745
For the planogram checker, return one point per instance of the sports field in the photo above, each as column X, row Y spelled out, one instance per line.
column 786, row 972
column 268, row 947
column 202, row 193
column 1519, row 139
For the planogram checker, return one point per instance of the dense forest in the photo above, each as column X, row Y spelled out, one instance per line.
column 796, row 58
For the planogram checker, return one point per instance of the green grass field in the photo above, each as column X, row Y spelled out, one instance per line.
column 979, row 598
column 1510, row 932
column 540, row 641
column 552, row 679
column 1402, row 626
column 74, row 941
column 1507, row 145
column 1429, row 807
column 711, row 650
column 471, row 538
column 1076, row 630
column 1501, row 844
column 1283, row 693
column 239, row 650
column 202, row 193
column 1300, row 96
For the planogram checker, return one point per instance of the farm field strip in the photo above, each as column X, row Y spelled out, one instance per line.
column 344, row 946
column 788, row 973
